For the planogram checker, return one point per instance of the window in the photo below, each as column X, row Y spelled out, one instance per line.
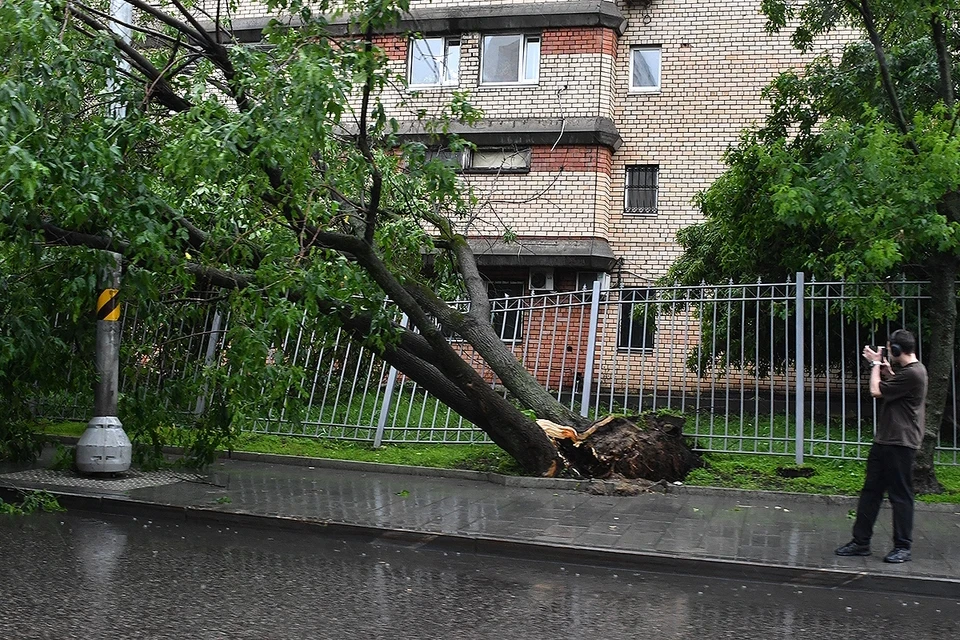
column 638, row 321
column 434, row 62
column 510, row 59
column 506, row 304
column 454, row 159
column 499, row 159
column 484, row 159
column 645, row 69
column 640, row 192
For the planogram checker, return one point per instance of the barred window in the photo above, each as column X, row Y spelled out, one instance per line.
column 506, row 302
column 638, row 321
column 640, row 194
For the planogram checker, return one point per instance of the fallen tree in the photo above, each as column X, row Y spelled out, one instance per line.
column 274, row 175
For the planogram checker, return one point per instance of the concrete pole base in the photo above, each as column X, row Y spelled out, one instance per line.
column 104, row 447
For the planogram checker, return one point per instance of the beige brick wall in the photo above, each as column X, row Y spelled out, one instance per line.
column 715, row 61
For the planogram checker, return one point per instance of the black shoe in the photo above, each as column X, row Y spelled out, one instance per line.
column 897, row 556
column 852, row 548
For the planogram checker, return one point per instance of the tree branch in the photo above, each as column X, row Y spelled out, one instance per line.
column 869, row 23
column 166, row 95
column 944, row 62
column 363, row 141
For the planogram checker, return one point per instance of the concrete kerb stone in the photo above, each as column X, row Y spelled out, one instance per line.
column 596, row 486
column 500, row 547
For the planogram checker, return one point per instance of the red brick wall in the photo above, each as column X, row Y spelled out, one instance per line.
column 583, row 40
column 591, row 159
column 394, row 46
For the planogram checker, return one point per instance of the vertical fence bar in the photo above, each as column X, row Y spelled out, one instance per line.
column 591, row 349
column 387, row 398
column 798, row 426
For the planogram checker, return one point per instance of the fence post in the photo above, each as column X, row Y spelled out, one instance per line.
column 591, row 349
column 387, row 398
column 798, row 404
column 208, row 359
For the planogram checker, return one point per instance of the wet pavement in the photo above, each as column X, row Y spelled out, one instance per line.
column 80, row 576
column 752, row 535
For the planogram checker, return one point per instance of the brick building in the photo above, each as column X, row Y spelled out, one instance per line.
column 602, row 120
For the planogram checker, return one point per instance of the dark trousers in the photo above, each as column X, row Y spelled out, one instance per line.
column 890, row 470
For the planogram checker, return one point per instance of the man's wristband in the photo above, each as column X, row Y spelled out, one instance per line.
column 876, row 363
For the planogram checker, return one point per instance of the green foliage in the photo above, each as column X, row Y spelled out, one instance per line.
column 832, row 184
column 19, row 441
column 841, row 182
column 237, row 161
column 31, row 502
column 64, row 459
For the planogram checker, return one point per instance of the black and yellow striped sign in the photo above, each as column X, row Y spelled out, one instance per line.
column 108, row 305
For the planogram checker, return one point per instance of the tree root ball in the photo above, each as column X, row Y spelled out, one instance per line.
column 652, row 449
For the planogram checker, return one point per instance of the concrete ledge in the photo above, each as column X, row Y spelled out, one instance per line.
column 456, row 20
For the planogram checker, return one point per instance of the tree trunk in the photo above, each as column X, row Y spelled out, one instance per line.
column 942, row 320
column 453, row 382
column 515, row 376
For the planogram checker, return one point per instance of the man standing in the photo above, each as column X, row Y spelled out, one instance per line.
column 899, row 434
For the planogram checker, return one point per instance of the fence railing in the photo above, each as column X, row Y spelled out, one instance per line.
column 771, row 368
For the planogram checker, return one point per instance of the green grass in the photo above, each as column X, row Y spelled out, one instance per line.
column 478, row 457
column 830, row 477
column 733, row 470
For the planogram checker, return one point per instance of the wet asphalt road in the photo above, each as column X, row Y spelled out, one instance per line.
column 77, row 576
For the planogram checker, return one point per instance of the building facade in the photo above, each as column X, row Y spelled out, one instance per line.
column 602, row 120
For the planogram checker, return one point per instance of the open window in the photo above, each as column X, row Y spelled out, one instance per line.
column 433, row 62
column 510, row 59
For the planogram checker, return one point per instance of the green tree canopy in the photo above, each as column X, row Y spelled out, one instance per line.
column 272, row 173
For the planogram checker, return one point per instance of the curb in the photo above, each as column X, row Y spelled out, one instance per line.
column 598, row 487
column 729, row 569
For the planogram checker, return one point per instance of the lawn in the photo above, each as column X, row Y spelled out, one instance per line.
column 734, row 470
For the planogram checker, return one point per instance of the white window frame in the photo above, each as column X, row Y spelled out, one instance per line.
column 443, row 63
column 525, row 154
column 521, row 64
column 463, row 161
column 633, row 57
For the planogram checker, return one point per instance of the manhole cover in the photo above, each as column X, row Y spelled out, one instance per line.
column 123, row 482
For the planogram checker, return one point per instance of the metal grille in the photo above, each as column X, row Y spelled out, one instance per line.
column 640, row 194
column 746, row 363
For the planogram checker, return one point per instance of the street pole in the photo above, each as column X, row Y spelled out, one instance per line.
column 104, row 447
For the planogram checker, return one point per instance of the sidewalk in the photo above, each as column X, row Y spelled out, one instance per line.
column 749, row 535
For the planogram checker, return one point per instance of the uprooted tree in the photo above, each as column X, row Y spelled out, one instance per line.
column 273, row 174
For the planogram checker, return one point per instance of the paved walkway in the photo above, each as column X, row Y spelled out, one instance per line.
column 783, row 537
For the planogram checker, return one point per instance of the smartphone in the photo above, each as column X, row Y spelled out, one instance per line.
column 883, row 353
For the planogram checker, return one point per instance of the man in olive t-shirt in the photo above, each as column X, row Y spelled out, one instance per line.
column 899, row 434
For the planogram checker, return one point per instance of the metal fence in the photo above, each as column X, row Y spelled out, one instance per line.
column 746, row 363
